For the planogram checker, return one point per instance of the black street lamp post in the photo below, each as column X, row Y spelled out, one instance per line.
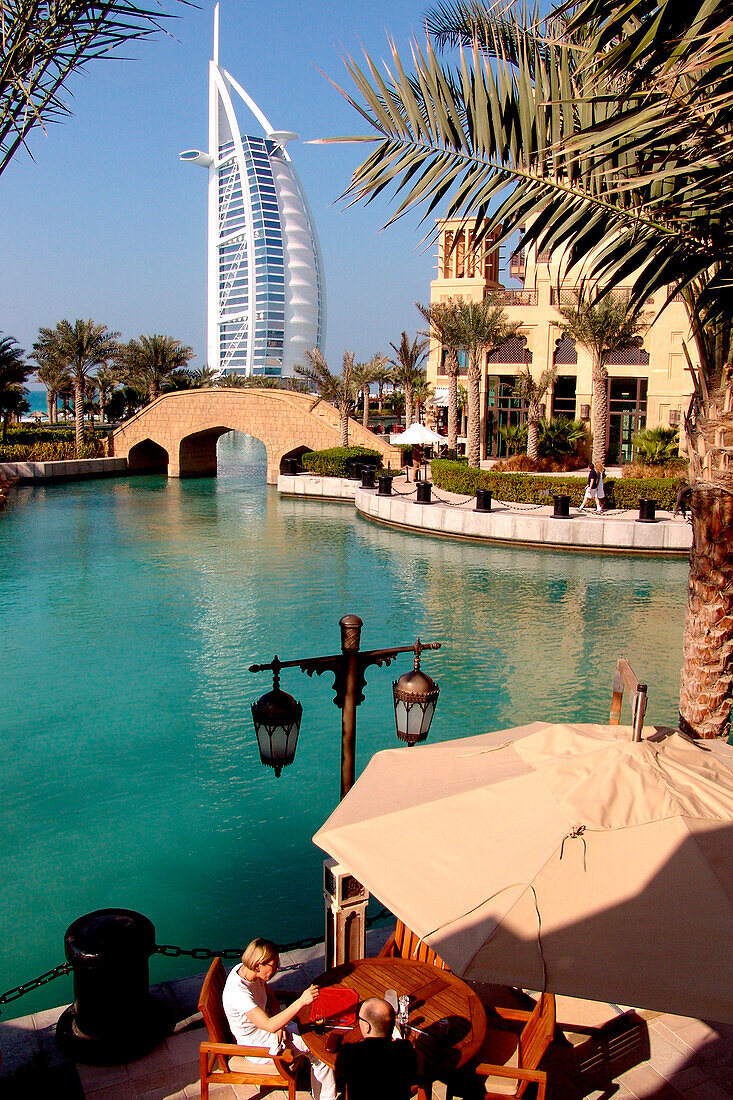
column 277, row 715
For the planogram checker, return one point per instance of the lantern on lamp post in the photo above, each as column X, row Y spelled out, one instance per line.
column 277, row 715
column 276, row 718
column 415, row 697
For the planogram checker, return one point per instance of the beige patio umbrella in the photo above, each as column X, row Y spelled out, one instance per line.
column 558, row 857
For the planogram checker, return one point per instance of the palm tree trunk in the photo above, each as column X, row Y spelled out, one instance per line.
column 49, row 405
column 409, row 410
column 78, row 414
column 473, row 441
column 344, row 429
column 365, row 415
column 533, row 434
column 600, row 414
column 452, row 402
column 153, row 390
column 381, row 397
column 707, row 646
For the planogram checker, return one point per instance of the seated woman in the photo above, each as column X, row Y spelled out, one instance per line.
column 255, row 1016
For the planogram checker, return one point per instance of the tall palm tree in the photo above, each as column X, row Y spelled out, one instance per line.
column 54, row 374
column 480, row 327
column 83, row 346
column 368, row 373
column 382, row 377
column 532, row 390
column 150, row 361
column 13, row 372
column 406, row 369
column 441, row 317
column 106, row 380
column 44, row 44
column 608, row 135
column 341, row 390
column 601, row 327
column 422, row 391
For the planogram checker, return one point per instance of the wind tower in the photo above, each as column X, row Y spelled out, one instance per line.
column 265, row 290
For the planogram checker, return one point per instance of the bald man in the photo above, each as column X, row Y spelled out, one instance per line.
column 379, row 1066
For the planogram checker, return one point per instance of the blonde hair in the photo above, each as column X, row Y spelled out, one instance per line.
column 259, row 953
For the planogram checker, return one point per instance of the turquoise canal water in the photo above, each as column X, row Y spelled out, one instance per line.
column 131, row 611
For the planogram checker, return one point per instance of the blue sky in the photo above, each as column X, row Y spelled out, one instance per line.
column 107, row 223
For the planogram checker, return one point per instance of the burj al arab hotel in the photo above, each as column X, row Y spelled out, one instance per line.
column 265, row 290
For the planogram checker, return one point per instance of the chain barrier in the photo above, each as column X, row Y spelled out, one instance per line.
column 172, row 951
column 34, row 983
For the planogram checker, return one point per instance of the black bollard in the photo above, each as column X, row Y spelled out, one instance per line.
column 385, row 486
column 290, row 466
column 483, row 500
column 354, row 470
column 424, row 489
column 114, row 1019
column 647, row 510
column 562, row 506
column 367, row 477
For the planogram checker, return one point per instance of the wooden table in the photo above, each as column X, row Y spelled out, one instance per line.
column 447, row 1022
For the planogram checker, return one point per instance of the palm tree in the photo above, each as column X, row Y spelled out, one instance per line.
column 55, row 376
column 368, row 373
column 608, row 136
column 13, row 373
column 406, row 369
column 82, row 347
column 422, row 391
column 382, row 377
column 480, row 327
column 341, row 390
column 532, row 391
column 601, row 327
column 106, row 379
column 441, row 317
column 150, row 361
column 44, row 44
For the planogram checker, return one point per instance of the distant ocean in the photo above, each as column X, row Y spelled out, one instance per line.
column 36, row 396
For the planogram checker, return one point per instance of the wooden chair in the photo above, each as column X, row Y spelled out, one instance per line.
column 404, row 944
column 508, row 1062
column 222, row 1061
column 625, row 678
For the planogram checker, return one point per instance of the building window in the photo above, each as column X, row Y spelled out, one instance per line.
column 566, row 353
column 627, row 416
column 511, row 351
column 563, row 396
column 631, row 356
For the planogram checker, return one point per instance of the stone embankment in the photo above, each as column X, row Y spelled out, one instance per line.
column 451, row 516
column 68, row 470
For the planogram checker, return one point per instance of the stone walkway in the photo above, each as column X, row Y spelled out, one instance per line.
column 605, row 1051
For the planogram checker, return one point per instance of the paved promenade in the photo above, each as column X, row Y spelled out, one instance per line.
column 453, row 516
column 602, row 1050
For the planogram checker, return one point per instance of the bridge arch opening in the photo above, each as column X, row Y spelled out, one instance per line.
column 147, row 457
column 296, row 453
column 197, row 453
column 241, row 456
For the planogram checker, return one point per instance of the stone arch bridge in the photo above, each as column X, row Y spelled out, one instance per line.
column 178, row 431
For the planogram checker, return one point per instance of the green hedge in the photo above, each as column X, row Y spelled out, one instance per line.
column 334, row 461
column 454, row 477
column 41, row 433
column 49, row 452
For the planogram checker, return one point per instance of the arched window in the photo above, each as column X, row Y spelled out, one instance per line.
column 566, row 353
column 511, row 351
column 633, row 355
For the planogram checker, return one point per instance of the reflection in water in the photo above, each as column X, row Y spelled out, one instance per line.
column 132, row 611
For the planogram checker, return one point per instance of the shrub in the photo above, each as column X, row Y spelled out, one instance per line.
column 522, row 488
column 561, row 437
column 50, row 450
column 334, row 462
column 656, row 446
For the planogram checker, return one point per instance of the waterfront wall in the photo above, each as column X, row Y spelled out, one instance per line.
column 68, row 470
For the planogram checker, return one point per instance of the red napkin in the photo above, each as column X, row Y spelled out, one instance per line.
column 336, row 1005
